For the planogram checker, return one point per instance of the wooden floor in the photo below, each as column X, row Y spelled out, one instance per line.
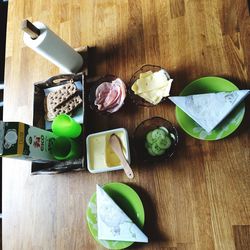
column 200, row 200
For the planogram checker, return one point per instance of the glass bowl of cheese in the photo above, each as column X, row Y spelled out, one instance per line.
column 150, row 85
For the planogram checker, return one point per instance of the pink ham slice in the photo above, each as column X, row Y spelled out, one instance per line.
column 110, row 95
column 113, row 96
column 106, row 95
column 101, row 93
column 122, row 96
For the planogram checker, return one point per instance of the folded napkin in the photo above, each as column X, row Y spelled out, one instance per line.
column 208, row 110
column 113, row 223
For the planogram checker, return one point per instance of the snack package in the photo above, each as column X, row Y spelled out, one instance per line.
column 21, row 141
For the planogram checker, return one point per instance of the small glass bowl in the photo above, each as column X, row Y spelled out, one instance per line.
column 136, row 98
column 140, row 138
column 92, row 96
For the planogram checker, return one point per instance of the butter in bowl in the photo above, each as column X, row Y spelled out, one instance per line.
column 100, row 155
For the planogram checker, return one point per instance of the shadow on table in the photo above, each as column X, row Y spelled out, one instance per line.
column 98, row 55
column 151, row 218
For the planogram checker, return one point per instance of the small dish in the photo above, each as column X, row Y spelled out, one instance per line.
column 128, row 200
column 136, row 98
column 227, row 126
column 96, row 84
column 97, row 151
column 140, row 138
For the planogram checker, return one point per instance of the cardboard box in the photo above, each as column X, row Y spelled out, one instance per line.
column 21, row 141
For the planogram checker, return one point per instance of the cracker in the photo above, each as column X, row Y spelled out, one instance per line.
column 69, row 105
column 55, row 99
column 65, row 108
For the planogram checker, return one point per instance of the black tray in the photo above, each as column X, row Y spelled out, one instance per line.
column 39, row 121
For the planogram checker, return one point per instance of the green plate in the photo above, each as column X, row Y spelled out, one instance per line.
column 128, row 200
column 227, row 126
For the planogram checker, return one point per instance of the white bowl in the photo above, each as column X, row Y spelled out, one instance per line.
column 99, row 169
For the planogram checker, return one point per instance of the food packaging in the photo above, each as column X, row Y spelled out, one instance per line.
column 21, row 141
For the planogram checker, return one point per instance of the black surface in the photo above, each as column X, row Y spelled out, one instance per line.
column 3, row 21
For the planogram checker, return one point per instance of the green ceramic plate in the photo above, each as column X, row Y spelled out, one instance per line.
column 128, row 200
column 227, row 126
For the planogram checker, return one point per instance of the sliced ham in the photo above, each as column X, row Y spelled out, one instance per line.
column 106, row 95
column 122, row 96
column 113, row 96
column 101, row 92
column 110, row 95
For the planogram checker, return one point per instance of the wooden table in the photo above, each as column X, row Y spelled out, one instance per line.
column 200, row 198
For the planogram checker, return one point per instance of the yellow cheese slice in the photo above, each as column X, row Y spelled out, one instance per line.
column 151, row 82
column 135, row 87
column 145, row 74
column 142, row 75
column 137, row 82
column 155, row 96
column 166, row 90
column 155, row 100
column 152, row 86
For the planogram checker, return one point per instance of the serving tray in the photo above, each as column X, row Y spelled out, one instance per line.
column 39, row 121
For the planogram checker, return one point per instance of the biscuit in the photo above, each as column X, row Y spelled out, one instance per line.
column 65, row 108
column 55, row 99
column 69, row 105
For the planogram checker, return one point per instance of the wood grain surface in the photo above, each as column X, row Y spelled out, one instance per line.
column 198, row 200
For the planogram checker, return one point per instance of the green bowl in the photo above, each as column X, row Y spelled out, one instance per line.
column 227, row 126
column 128, row 200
